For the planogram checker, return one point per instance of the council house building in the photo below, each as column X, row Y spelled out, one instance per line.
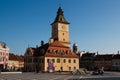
column 55, row 55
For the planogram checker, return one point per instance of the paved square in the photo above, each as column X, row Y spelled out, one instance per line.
column 58, row 76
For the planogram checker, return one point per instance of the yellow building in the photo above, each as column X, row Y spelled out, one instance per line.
column 55, row 55
column 15, row 62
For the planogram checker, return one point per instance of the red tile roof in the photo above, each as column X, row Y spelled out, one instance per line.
column 57, row 44
column 56, row 49
column 20, row 58
column 16, row 57
column 12, row 56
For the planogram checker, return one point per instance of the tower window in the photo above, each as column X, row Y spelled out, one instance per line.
column 63, row 39
column 61, row 19
column 63, row 34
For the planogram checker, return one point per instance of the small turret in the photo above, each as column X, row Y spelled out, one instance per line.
column 75, row 48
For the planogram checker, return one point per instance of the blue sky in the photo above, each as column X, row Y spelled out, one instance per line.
column 94, row 24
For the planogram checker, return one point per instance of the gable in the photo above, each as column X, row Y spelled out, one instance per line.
column 29, row 51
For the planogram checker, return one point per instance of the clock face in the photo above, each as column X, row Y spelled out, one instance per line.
column 63, row 27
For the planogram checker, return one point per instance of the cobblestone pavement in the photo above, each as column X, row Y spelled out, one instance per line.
column 58, row 76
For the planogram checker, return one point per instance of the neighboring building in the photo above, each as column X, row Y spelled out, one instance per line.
column 104, row 60
column 13, row 63
column 4, row 56
column 116, row 62
column 16, row 62
column 55, row 55
column 80, row 53
column 30, row 62
column 87, row 60
column 20, row 58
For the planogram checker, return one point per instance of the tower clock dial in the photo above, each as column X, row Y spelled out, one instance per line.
column 63, row 27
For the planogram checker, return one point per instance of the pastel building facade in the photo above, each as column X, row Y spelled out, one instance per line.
column 16, row 62
column 4, row 55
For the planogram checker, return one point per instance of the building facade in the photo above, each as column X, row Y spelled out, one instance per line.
column 87, row 60
column 104, row 61
column 4, row 56
column 13, row 63
column 116, row 62
column 16, row 62
column 55, row 55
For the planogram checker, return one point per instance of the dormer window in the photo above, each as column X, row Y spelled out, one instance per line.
column 56, row 51
column 61, row 19
column 50, row 50
column 68, row 52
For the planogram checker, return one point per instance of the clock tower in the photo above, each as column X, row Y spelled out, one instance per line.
column 60, row 29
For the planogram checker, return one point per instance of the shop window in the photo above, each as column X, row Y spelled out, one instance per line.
column 47, row 60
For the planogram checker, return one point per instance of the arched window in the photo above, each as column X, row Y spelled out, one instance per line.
column 64, row 60
column 74, row 61
column 69, row 68
column 69, row 60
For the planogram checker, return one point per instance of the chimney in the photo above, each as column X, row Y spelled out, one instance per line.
column 42, row 43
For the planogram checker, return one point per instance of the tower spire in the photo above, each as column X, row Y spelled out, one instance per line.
column 60, row 17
